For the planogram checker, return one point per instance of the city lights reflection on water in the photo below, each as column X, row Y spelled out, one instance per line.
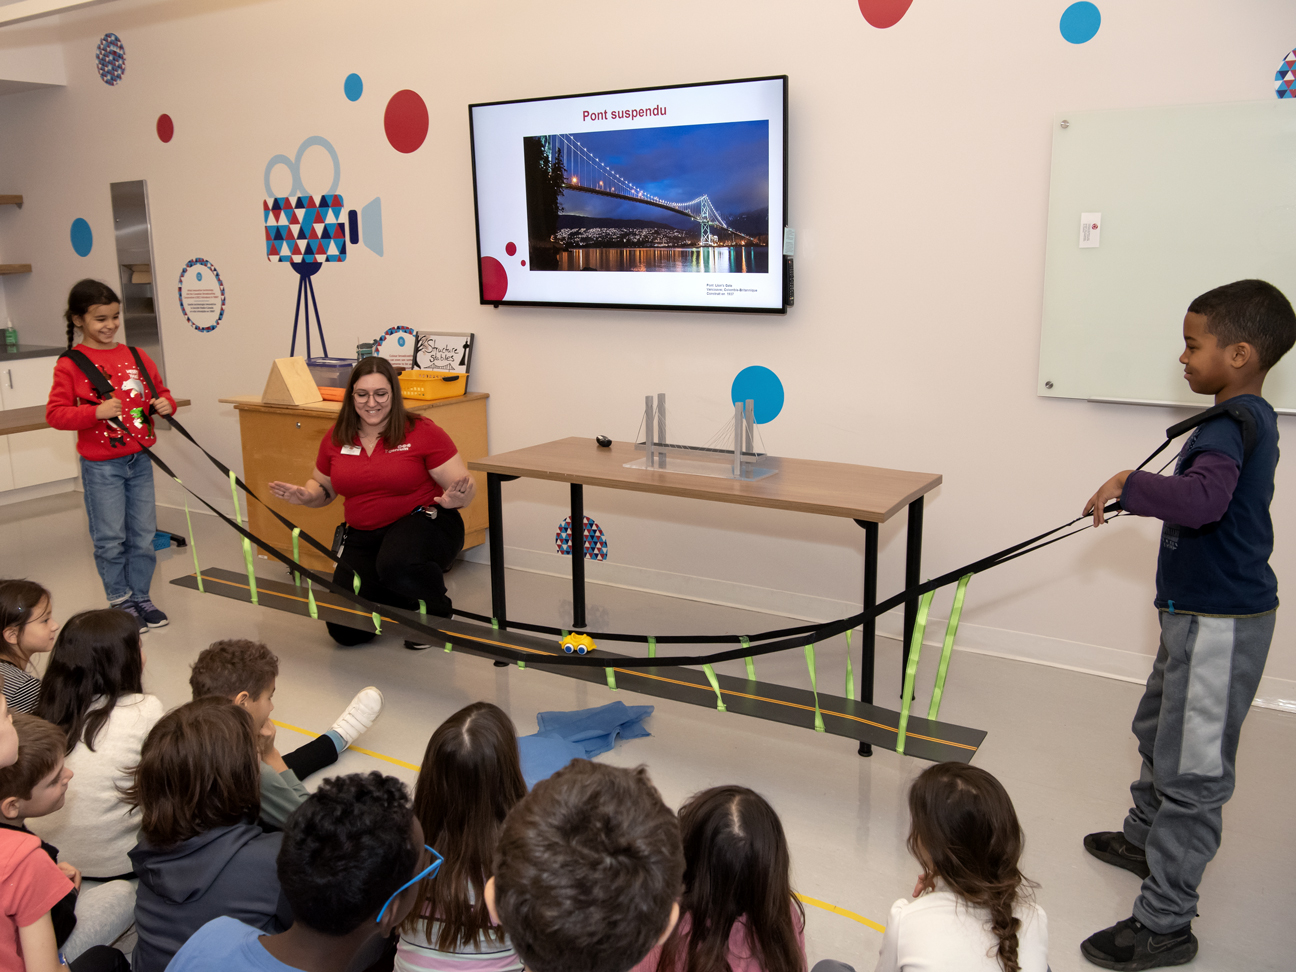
column 711, row 259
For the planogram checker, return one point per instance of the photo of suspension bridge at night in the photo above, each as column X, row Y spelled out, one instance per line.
column 684, row 199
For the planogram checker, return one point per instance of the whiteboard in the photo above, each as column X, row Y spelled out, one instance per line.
column 1190, row 197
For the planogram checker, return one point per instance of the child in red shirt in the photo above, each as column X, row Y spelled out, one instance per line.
column 116, row 474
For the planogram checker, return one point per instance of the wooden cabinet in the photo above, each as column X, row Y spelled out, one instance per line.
column 280, row 442
column 34, row 457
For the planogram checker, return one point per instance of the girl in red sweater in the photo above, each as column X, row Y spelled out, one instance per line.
column 116, row 474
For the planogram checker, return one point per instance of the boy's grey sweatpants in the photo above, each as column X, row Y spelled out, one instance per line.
column 1206, row 674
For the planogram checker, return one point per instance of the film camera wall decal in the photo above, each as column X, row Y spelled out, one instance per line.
column 306, row 230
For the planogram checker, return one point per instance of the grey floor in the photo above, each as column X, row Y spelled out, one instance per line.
column 1059, row 741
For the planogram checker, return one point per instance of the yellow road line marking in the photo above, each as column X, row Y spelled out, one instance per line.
column 355, row 749
column 452, row 636
column 804, row 899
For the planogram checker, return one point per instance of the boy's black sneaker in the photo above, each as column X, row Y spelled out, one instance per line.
column 1130, row 945
column 149, row 611
column 1112, row 847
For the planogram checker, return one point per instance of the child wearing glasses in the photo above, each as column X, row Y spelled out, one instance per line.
column 470, row 779
column 403, row 483
column 196, row 787
column 351, row 860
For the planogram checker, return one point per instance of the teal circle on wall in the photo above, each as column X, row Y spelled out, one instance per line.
column 353, row 87
column 1080, row 22
column 763, row 387
column 82, row 237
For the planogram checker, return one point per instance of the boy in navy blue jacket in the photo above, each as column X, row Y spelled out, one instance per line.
column 1217, row 598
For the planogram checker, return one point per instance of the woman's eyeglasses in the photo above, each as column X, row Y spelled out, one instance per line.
column 379, row 396
column 429, row 871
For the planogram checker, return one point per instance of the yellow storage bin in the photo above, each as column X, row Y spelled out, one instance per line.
column 429, row 386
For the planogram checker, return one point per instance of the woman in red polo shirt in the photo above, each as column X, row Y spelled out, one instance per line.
column 402, row 483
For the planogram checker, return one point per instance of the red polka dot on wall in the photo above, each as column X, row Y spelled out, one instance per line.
column 510, row 248
column 884, row 13
column 165, row 128
column 406, row 121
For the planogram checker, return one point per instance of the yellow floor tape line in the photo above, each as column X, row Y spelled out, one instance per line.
column 841, row 911
column 804, row 899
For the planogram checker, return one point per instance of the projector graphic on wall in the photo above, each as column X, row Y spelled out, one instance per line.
column 307, row 230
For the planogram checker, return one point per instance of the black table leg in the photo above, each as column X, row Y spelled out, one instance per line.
column 913, row 577
column 869, row 632
column 495, row 511
column 578, row 554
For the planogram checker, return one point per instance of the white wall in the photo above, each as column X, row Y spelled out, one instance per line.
column 919, row 184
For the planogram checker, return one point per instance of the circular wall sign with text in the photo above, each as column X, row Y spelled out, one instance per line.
column 202, row 295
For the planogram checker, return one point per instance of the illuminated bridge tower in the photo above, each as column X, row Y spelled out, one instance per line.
column 708, row 238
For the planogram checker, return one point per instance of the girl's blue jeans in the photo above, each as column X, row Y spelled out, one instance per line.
column 123, row 518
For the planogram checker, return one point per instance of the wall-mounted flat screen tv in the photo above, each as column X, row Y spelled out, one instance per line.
column 670, row 197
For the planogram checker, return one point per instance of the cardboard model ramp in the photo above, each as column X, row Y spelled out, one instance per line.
column 926, row 739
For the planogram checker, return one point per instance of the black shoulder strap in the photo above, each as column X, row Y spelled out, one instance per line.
column 98, row 381
column 144, row 372
column 1238, row 413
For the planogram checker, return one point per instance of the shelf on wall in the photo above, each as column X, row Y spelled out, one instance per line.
column 15, row 268
column 11, row 201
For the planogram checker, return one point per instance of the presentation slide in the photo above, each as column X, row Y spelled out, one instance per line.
column 668, row 197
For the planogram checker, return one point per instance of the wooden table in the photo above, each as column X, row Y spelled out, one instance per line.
column 869, row 495
column 281, row 442
column 32, row 418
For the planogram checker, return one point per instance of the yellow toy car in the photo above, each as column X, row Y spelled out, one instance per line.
column 581, row 644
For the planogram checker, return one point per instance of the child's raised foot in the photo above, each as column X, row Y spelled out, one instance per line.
column 1112, row 847
column 360, row 714
column 1131, row 945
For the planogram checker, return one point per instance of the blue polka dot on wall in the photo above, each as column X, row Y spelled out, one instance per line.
column 764, row 389
column 110, row 59
column 1080, row 22
column 82, row 237
column 353, row 87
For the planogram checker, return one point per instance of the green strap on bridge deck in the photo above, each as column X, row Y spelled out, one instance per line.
column 948, row 648
column 296, row 535
column 495, row 625
column 193, row 547
column 310, row 588
column 652, row 647
column 814, row 686
column 911, row 669
column 751, row 662
column 611, row 678
column 850, row 671
column 715, row 684
column 355, row 586
column 422, row 609
column 247, row 544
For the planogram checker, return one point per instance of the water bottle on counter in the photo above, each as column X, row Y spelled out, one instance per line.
column 11, row 337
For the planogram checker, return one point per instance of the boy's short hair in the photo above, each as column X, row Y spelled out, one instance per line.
column 587, row 867
column 234, row 665
column 346, row 850
column 41, row 746
column 198, row 770
column 1253, row 311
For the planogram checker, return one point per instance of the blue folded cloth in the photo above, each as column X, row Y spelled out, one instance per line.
column 581, row 734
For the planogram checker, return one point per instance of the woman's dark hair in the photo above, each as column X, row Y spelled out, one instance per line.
column 84, row 295
column 198, row 770
column 399, row 421
column 964, row 830
column 736, row 865
column 346, row 850
column 470, row 779
column 96, row 660
column 19, row 600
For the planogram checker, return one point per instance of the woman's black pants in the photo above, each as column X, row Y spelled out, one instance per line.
column 400, row 564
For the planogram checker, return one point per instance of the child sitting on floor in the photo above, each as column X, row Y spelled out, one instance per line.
column 737, row 890
column 93, row 691
column 26, row 628
column 587, row 870
column 245, row 672
column 470, row 779
column 352, row 855
column 35, row 785
column 196, row 786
